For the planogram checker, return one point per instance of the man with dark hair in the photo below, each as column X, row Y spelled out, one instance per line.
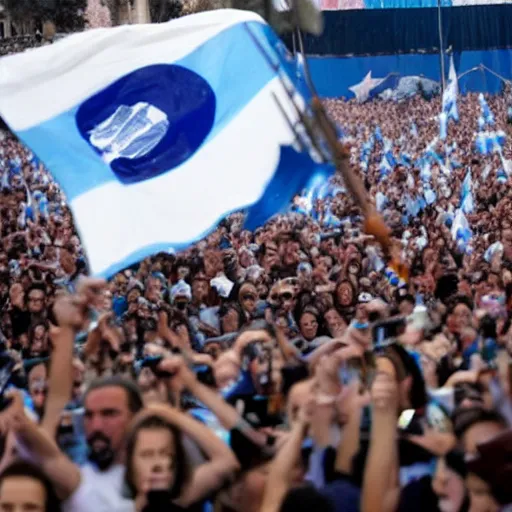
column 36, row 299
column 134, row 397
column 406, row 304
column 110, row 404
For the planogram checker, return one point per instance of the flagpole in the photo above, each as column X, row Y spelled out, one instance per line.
column 441, row 50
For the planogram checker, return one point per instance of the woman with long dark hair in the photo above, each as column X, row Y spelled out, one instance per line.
column 158, row 476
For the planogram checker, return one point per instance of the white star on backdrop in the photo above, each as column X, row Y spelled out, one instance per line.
column 362, row 89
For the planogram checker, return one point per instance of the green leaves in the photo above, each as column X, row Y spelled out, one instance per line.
column 19, row 9
column 164, row 10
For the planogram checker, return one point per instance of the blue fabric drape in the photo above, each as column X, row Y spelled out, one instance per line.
column 398, row 31
column 334, row 75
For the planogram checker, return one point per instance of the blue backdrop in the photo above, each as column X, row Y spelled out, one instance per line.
column 406, row 41
column 334, row 75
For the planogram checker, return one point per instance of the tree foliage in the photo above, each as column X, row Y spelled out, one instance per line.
column 68, row 15
column 195, row 6
column 165, row 10
column 72, row 15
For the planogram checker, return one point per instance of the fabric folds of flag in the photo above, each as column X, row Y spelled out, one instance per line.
column 451, row 94
column 487, row 117
column 461, row 232
column 156, row 132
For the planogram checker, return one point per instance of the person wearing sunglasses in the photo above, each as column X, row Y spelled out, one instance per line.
column 248, row 299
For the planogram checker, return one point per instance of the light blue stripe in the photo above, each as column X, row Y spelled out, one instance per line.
column 78, row 168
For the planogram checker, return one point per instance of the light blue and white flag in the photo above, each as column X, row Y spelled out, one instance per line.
column 490, row 142
column 385, row 168
column 492, row 250
column 461, row 232
column 485, row 173
column 487, row 115
column 381, row 201
column 507, row 164
column 466, row 194
column 425, row 172
column 501, row 176
column 443, row 125
column 5, row 184
column 430, row 196
column 330, row 220
column 374, row 259
column 156, row 132
column 451, row 94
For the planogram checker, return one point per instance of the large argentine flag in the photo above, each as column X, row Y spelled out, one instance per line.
column 156, row 132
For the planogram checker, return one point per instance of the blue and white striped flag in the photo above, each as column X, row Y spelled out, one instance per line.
column 156, row 132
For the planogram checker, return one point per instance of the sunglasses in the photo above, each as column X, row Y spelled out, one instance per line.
column 36, row 390
column 282, row 297
column 248, row 296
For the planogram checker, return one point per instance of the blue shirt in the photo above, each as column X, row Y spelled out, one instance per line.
column 488, row 351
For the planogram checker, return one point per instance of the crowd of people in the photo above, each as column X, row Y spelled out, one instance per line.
column 18, row 44
column 288, row 368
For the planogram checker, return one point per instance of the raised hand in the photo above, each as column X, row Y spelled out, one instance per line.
column 72, row 310
column 182, row 375
column 14, row 414
column 351, row 400
column 248, row 337
column 384, row 394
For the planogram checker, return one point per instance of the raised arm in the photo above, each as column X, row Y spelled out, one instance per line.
column 379, row 493
column 227, row 414
column 211, row 475
column 351, row 404
column 64, row 474
column 60, row 378
column 165, row 332
column 70, row 313
column 278, row 482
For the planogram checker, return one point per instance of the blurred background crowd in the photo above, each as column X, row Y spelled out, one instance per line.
column 283, row 369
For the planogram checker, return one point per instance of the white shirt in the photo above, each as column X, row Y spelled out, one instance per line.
column 99, row 491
